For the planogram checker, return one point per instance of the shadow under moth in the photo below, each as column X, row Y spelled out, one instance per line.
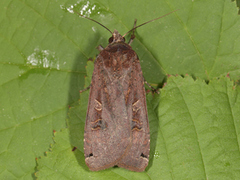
column 117, row 130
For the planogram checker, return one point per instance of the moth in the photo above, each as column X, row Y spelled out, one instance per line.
column 117, row 129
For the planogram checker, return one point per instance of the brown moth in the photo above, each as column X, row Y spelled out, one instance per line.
column 117, row 129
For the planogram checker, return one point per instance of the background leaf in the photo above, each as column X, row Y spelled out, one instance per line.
column 43, row 54
column 199, row 130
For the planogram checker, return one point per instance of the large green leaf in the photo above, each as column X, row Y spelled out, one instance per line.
column 43, row 54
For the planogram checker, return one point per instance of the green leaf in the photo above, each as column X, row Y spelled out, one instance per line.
column 198, row 132
column 43, row 54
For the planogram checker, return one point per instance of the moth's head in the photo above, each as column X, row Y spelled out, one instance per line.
column 116, row 37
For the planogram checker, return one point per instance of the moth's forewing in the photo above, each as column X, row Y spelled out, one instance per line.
column 138, row 154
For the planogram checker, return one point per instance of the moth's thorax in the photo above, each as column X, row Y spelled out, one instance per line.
column 118, row 47
column 118, row 58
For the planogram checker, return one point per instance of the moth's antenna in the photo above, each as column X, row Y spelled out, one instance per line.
column 148, row 22
column 92, row 20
